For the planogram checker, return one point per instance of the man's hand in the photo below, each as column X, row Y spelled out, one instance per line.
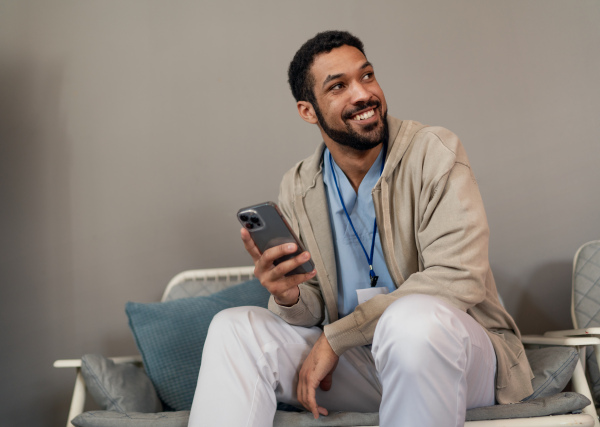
column 273, row 277
column 317, row 371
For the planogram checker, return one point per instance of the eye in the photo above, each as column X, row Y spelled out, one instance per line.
column 368, row 76
column 336, row 86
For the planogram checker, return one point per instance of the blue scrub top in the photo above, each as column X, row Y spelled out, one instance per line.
column 352, row 264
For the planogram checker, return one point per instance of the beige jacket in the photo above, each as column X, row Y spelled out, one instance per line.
column 434, row 235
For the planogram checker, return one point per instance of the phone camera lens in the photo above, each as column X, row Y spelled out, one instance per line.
column 244, row 217
column 254, row 219
column 249, row 225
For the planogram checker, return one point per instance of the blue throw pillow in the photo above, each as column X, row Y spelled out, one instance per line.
column 170, row 337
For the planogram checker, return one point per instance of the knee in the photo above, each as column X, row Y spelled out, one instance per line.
column 230, row 324
column 238, row 320
column 410, row 329
column 414, row 316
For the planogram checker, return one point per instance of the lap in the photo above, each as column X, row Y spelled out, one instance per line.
column 284, row 347
column 356, row 381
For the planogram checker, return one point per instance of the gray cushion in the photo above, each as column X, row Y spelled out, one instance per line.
column 554, row 405
column 118, row 419
column 561, row 403
column 121, row 387
column 553, row 368
column 180, row 419
column 306, row 419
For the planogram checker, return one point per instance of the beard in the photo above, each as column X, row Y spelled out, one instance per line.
column 349, row 137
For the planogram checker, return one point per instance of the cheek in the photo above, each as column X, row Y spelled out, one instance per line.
column 383, row 101
column 335, row 108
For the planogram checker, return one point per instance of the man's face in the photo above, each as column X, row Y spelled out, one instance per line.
column 350, row 105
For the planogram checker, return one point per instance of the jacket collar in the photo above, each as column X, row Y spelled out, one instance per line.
column 311, row 208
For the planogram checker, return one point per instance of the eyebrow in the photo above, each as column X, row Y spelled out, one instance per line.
column 331, row 77
column 337, row 76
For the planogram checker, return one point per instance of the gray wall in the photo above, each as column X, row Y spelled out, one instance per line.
column 131, row 131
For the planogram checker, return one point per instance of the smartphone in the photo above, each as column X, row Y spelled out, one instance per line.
column 268, row 228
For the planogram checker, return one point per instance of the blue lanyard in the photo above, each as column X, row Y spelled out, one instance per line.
column 372, row 275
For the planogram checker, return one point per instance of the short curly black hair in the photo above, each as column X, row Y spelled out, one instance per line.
column 299, row 77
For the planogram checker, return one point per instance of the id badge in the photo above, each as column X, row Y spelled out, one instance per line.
column 366, row 294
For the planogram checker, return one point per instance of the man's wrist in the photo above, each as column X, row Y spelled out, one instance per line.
column 344, row 334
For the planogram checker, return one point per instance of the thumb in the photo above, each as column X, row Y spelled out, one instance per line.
column 327, row 382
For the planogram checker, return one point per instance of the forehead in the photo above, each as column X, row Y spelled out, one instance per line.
column 341, row 60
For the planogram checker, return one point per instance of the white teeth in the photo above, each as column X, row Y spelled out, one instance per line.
column 364, row 116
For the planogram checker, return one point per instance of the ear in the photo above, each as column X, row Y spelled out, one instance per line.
column 307, row 112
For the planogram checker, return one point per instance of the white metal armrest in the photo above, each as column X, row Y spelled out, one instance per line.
column 573, row 341
column 76, row 363
column 574, row 332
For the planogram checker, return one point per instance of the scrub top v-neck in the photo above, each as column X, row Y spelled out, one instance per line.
column 352, row 265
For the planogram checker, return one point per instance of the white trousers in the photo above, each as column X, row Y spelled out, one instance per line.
column 429, row 362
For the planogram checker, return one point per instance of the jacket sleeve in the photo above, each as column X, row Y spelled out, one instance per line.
column 451, row 234
column 310, row 309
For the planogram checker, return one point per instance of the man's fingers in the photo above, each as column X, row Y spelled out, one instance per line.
column 277, row 272
column 306, row 393
column 277, row 252
column 265, row 262
column 291, row 280
column 311, row 403
column 284, row 288
column 323, row 411
column 273, row 277
column 249, row 245
column 327, row 382
column 316, row 369
column 284, row 267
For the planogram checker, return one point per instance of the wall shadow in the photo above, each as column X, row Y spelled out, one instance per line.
column 35, row 255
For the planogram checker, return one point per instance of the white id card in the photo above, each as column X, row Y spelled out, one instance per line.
column 366, row 294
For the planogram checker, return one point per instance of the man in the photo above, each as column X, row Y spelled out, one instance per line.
column 391, row 215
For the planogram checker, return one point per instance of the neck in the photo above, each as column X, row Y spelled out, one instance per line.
column 354, row 163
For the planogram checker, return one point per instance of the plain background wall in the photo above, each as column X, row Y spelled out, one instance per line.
column 132, row 131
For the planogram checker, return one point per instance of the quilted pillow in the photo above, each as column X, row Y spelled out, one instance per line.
column 553, row 368
column 170, row 337
column 119, row 387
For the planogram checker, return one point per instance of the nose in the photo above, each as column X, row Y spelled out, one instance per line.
column 359, row 93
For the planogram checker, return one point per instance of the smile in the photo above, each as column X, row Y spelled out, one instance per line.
column 364, row 116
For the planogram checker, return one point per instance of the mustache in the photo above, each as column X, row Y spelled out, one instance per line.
column 374, row 103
